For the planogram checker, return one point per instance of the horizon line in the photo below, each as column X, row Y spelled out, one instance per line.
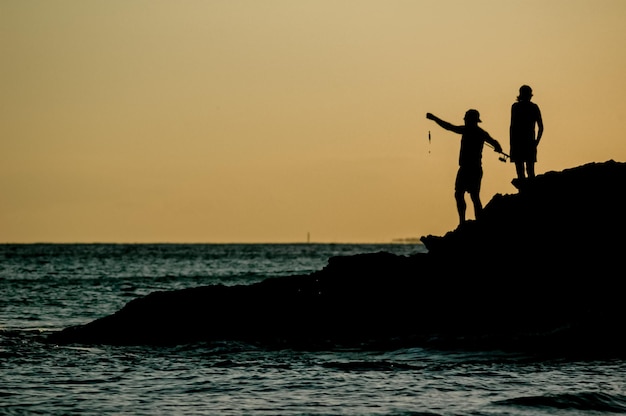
column 394, row 241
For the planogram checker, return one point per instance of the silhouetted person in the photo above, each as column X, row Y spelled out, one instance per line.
column 470, row 173
column 524, row 116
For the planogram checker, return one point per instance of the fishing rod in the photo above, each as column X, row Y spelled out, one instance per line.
column 502, row 158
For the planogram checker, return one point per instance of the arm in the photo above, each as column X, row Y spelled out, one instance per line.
column 494, row 143
column 511, row 124
column 445, row 124
column 539, row 126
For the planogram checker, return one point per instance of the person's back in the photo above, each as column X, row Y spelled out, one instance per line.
column 524, row 116
column 472, row 142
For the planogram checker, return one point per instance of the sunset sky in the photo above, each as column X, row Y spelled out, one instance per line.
column 264, row 120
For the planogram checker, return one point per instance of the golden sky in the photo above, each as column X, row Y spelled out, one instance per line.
column 262, row 121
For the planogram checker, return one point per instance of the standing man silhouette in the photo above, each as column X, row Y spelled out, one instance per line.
column 524, row 116
column 470, row 173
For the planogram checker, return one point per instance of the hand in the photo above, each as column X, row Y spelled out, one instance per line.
column 497, row 148
column 430, row 116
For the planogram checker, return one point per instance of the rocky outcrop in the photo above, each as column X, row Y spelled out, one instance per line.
column 541, row 270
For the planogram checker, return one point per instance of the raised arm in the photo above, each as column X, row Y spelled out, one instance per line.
column 445, row 124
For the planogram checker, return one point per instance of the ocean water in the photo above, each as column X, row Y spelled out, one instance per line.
column 47, row 287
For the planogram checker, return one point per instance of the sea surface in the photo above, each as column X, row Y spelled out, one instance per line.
column 47, row 287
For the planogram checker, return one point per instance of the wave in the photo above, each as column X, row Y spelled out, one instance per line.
column 369, row 366
column 588, row 401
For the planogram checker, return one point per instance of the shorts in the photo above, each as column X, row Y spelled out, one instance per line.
column 468, row 179
column 524, row 150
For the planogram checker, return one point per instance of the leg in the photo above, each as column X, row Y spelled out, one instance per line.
column 460, row 205
column 530, row 169
column 478, row 205
column 519, row 168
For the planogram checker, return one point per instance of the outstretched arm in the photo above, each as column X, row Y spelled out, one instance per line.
column 445, row 124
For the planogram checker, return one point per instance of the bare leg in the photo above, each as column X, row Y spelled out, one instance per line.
column 519, row 168
column 460, row 205
column 530, row 169
column 478, row 206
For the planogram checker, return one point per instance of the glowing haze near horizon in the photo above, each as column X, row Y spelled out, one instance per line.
column 262, row 121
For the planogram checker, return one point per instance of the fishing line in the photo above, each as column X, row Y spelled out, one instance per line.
column 428, row 141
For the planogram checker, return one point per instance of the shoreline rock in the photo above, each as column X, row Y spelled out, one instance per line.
column 539, row 271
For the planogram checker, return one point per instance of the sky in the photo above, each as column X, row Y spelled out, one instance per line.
column 282, row 121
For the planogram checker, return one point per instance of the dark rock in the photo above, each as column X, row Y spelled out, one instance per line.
column 541, row 270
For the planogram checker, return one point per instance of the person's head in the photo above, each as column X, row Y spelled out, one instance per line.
column 472, row 117
column 525, row 93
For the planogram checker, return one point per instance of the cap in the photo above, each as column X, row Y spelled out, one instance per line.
column 525, row 92
column 473, row 115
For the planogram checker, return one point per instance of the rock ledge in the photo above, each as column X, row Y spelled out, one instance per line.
column 541, row 270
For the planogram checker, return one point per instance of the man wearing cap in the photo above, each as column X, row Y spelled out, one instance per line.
column 470, row 173
column 524, row 116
